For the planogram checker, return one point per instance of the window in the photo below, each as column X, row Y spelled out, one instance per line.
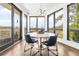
column 73, row 22
column 36, row 23
column 51, row 23
column 41, row 23
column 16, row 24
column 5, row 25
column 33, row 21
column 25, row 23
column 59, row 23
column 55, row 23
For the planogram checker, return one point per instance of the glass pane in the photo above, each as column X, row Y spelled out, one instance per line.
column 5, row 24
column 40, row 23
column 32, row 24
column 59, row 20
column 59, row 24
column 74, row 22
column 16, row 24
column 51, row 23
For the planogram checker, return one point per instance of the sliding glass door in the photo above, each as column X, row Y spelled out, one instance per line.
column 5, row 25
column 10, row 25
column 16, row 24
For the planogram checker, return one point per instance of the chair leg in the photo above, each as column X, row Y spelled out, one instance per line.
column 28, row 49
column 24, row 47
column 56, row 54
column 53, row 52
column 35, row 53
column 31, row 49
column 48, row 50
column 38, row 44
column 57, row 49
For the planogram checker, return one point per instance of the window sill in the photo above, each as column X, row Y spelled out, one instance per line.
column 70, row 44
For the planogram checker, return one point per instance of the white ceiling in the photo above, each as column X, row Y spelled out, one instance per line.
column 33, row 8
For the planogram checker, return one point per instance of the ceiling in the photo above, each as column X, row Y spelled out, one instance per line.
column 34, row 8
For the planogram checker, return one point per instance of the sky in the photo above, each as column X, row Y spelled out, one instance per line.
column 5, row 17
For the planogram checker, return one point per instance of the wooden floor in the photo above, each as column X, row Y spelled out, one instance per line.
column 18, row 50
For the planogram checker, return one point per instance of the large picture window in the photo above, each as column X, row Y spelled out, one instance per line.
column 55, row 23
column 41, row 23
column 32, row 24
column 73, row 22
column 36, row 23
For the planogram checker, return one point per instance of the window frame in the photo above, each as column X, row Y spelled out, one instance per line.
column 14, row 7
column 53, row 20
column 68, row 20
column 36, row 21
column 30, row 20
column 26, row 17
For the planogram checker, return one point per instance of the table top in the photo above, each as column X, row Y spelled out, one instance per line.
column 46, row 34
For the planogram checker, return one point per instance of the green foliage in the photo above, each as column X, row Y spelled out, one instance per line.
column 60, row 34
column 60, row 17
column 75, row 35
column 59, row 27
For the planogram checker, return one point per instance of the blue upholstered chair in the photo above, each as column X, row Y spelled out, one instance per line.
column 31, row 41
column 52, row 41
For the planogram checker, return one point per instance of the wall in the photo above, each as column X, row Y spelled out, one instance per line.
column 65, row 50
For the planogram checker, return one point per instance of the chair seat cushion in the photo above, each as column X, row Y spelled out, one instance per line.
column 45, row 42
column 34, row 41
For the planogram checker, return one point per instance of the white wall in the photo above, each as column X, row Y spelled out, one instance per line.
column 65, row 22
column 46, row 23
column 28, row 24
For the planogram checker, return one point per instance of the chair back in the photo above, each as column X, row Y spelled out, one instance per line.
column 28, row 38
column 52, row 40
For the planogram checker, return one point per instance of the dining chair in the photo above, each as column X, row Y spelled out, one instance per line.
column 30, row 41
column 52, row 41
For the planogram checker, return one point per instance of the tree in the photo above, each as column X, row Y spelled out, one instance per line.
column 75, row 25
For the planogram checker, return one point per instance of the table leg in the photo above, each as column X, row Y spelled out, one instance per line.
column 40, row 46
